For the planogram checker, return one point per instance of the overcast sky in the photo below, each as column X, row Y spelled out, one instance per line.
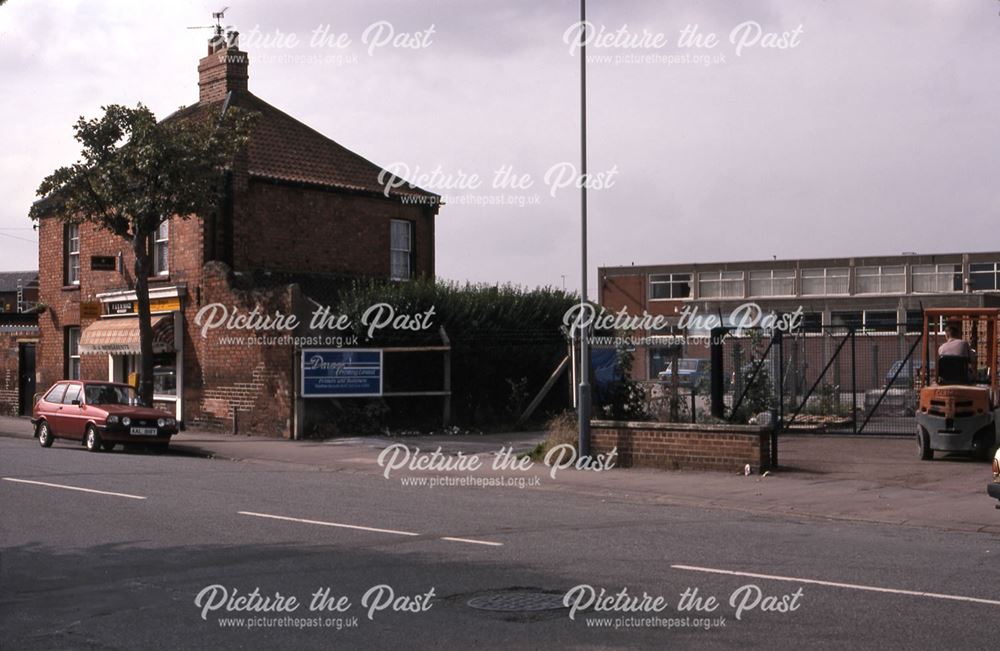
column 874, row 131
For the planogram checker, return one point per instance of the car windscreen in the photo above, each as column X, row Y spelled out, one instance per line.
column 110, row 394
column 687, row 364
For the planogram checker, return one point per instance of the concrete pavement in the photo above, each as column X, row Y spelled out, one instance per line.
column 866, row 479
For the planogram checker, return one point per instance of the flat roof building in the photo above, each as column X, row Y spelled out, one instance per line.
column 869, row 293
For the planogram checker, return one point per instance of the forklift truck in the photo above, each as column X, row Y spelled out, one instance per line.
column 957, row 409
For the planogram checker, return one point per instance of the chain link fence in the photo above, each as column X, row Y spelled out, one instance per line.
column 835, row 379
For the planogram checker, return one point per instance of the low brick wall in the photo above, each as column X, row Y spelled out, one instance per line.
column 678, row 446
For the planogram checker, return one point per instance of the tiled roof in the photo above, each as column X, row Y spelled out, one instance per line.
column 9, row 280
column 285, row 149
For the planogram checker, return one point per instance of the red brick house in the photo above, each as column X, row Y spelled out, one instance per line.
column 297, row 205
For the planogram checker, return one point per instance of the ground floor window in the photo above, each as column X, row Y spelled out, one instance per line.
column 812, row 322
column 164, row 372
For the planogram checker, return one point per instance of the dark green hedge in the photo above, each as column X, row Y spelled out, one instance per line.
column 505, row 340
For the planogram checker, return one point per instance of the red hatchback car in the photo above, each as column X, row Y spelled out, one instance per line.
column 101, row 414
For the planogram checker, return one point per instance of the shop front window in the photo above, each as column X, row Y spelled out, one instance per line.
column 164, row 375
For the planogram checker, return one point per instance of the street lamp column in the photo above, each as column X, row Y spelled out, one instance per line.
column 583, row 402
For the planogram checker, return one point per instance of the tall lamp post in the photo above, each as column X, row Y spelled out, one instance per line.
column 583, row 402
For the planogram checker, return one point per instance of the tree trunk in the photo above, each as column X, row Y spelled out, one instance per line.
column 140, row 246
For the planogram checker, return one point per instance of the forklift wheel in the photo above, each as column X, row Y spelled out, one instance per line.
column 924, row 445
column 984, row 443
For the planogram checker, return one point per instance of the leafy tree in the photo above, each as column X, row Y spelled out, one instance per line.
column 134, row 173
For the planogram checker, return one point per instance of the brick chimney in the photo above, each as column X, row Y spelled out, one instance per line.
column 223, row 70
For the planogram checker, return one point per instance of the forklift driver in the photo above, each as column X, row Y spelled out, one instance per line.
column 955, row 346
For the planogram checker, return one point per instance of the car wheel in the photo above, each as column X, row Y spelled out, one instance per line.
column 107, row 447
column 92, row 440
column 45, row 437
column 924, row 445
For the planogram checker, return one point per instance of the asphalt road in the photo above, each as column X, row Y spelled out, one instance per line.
column 123, row 568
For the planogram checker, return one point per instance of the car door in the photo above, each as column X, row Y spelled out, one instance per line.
column 72, row 416
column 50, row 407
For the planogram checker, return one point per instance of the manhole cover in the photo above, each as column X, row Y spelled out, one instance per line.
column 517, row 601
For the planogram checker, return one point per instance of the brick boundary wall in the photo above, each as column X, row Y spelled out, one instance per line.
column 680, row 446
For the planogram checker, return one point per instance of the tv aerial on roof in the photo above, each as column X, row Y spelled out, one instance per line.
column 218, row 17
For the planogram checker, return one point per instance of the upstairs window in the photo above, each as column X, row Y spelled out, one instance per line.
column 831, row 281
column 161, row 249
column 772, row 282
column 936, row 278
column 880, row 280
column 71, row 254
column 669, row 285
column 720, row 284
column 984, row 276
column 401, row 250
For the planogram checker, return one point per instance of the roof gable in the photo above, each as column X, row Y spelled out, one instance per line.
column 285, row 149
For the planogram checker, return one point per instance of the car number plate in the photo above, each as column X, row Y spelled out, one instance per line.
column 143, row 431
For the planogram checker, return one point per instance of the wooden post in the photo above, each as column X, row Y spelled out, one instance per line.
column 543, row 392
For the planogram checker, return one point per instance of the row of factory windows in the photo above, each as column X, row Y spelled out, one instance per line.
column 839, row 321
column 826, row 281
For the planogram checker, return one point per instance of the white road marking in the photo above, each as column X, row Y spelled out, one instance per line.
column 328, row 524
column 74, row 488
column 835, row 584
column 473, row 542
column 341, row 525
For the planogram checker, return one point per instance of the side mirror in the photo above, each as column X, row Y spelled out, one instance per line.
column 76, row 402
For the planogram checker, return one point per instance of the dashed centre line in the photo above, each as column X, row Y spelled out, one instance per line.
column 341, row 525
column 836, row 584
column 73, row 488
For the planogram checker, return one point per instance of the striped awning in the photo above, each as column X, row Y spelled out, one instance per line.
column 120, row 336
